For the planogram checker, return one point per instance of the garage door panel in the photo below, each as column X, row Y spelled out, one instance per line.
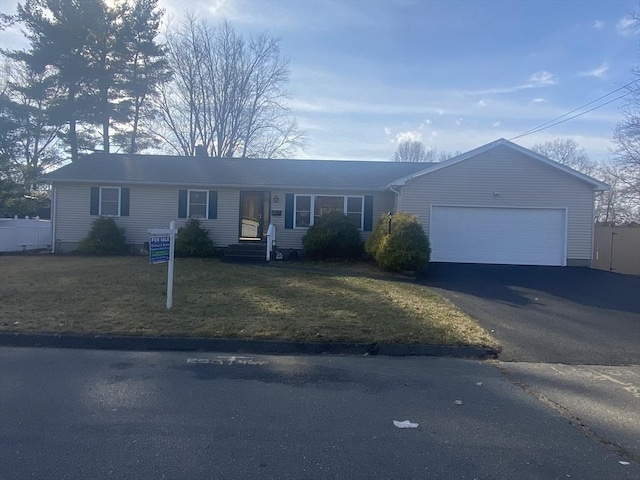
column 519, row 236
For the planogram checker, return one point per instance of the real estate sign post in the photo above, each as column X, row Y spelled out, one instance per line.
column 161, row 250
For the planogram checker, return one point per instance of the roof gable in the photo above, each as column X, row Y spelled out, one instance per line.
column 596, row 184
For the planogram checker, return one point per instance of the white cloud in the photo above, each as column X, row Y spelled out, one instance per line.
column 627, row 26
column 541, row 79
column 409, row 135
column 427, row 121
column 598, row 25
column 539, row 100
column 459, row 121
column 536, row 80
column 482, row 103
column 495, row 124
column 598, row 72
column 387, row 131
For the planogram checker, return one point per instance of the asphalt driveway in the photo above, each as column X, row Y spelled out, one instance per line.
column 549, row 314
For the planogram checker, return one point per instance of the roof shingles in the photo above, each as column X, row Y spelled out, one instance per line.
column 248, row 172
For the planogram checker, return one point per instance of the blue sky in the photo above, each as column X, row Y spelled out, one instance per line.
column 454, row 74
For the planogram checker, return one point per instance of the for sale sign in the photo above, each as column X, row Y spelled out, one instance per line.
column 159, row 249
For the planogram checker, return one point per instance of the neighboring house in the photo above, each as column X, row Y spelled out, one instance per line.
column 499, row 203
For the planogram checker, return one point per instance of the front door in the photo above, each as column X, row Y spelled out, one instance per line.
column 254, row 215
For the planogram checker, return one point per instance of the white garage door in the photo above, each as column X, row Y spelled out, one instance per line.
column 516, row 236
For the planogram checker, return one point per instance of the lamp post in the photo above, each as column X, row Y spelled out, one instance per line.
column 389, row 228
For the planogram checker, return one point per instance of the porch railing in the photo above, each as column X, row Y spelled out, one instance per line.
column 271, row 239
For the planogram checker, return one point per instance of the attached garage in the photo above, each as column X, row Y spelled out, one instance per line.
column 517, row 236
column 503, row 204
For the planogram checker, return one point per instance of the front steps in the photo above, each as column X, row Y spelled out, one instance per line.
column 249, row 252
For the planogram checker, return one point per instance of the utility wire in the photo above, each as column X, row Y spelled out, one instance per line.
column 550, row 123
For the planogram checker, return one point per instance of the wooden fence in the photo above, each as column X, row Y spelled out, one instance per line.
column 617, row 249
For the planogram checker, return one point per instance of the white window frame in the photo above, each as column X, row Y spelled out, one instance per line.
column 119, row 202
column 206, row 203
column 295, row 210
column 313, row 209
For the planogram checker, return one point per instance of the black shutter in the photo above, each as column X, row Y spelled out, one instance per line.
column 94, row 207
column 124, row 202
column 213, row 204
column 182, row 204
column 288, row 210
column 368, row 213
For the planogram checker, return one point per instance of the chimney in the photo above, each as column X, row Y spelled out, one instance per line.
column 201, row 151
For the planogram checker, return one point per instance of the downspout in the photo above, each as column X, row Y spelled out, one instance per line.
column 397, row 192
column 54, row 211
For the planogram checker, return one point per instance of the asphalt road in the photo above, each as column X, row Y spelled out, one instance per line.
column 78, row 414
column 576, row 316
column 603, row 399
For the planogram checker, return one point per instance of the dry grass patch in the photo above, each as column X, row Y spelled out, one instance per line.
column 126, row 296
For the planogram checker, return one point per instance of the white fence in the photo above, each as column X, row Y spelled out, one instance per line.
column 19, row 234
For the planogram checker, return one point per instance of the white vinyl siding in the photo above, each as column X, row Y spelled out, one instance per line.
column 503, row 177
column 149, row 207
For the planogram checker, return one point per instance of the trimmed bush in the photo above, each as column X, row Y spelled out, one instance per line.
column 405, row 248
column 194, row 241
column 104, row 238
column 380, row 231
column 333, row 236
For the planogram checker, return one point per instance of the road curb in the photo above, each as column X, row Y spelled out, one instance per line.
column 186, row 344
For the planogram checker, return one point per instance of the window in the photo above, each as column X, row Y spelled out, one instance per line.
column 198, row 202
column 354, row 210
column 303, row 210
column 110, row 201
column 321, row 204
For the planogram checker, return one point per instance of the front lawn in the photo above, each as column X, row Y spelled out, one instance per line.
column 290, row 301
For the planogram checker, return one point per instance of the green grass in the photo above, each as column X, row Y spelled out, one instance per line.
column 289, row 301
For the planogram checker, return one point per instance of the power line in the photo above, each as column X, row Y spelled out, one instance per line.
column 550, row 123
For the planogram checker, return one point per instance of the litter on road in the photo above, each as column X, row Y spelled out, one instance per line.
column 405, row 424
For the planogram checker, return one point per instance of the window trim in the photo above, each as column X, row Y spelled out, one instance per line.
column 119, row 189
column 313, row 196
column 206, row 203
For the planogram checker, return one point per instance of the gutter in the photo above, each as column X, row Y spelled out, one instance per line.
column 216, row 185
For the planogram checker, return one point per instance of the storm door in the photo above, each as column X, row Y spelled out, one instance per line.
column 254, row 215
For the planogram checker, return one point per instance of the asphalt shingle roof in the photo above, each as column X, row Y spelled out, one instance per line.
column 249, row 172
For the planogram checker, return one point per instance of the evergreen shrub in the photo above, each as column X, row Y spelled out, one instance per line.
column 405, row 248
column 193, row 240
column 334, row 235
column 104, row 238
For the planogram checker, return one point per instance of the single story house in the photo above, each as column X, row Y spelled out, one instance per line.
column 499, row 203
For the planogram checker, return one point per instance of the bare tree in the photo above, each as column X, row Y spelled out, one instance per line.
column 567, row 152
column 227, row 94
column 416, row 151
column 626, row 137
column 614, row 206
column 413, row 151
column 611, row 206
